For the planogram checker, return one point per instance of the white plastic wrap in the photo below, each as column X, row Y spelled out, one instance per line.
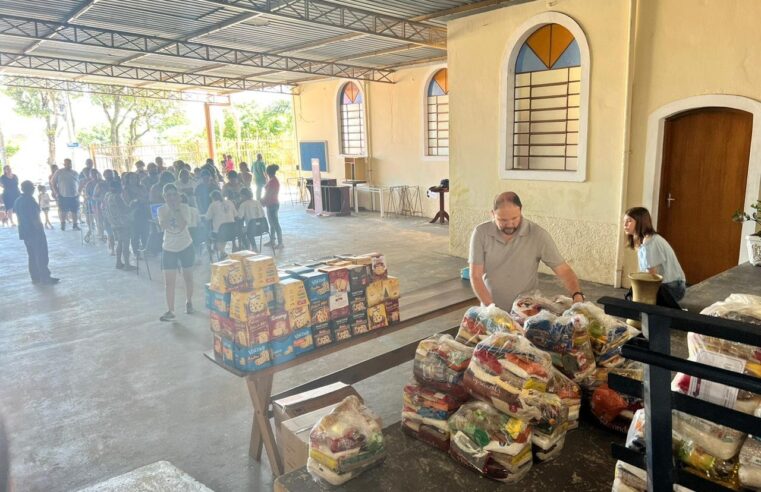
column 750, row 464
column 481, row 321
column 532, row 303
column 566, row 339
column 719, row 441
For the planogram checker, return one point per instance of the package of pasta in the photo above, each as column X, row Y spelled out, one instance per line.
column 481, row 321
column 425, row 414
column 511, row 373
column 606, row 333
column 531, row 304
column 490, row 442
column 346, row 442
column 750, row 464
column 566, row 339
column 570, row 395
column 440, row 363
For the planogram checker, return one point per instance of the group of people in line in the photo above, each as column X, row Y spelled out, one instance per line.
column 173, row 210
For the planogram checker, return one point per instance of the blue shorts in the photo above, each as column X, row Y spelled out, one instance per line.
column 184, row 259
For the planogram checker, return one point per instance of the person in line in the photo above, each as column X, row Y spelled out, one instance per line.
column 177, row 249
column 232, row 188
column 194, row 227
column 159, row 164
column 140, row 170
column 248, row 210
column 186, row 185
column 505, row 253
column 655, row 255
column 103, row 186
column 152, row 176
column 84, row 174
column 44, row 201
column 11, row 192
column 31, row 231
column 54, row 195
column 221, row 219
column 245, row 175
column 66, row 186
column 260, row 175
column 229, row 164
column 120, row 217
column 271, row 201
column 156, row 194
column 136, row 198
column 89, row 183
column 203, row 191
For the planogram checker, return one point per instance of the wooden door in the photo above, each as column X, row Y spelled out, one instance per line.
column 705, row 168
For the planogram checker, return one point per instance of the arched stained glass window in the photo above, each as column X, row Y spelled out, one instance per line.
column 547, row 101
column 352, row 120
column 437, row 129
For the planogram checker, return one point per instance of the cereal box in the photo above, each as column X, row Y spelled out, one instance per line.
column 339, row 305
column 255, row 331
column 359, row 324
column 250, row 303
column 378, row 266
column 391, row 288
column 376, row 317
column 261, row 270
column 357, row 302
column 282, row 350
column 269, row 295
column 302, row 340
column 251, row 359
column 375, row 293
column 392, row 310
column 218, row 347
column 218, row 302
column 338, row 278
column 218, row 323
column 322, row 335
column 299, row 317
column 279, row 326
column 240, row 256
column 293, row 293
column 341, row 329
column 319, row 312
column 226, row 276
column 358, row 278
column 362, row 260
column 228, row 352
column 317, row 285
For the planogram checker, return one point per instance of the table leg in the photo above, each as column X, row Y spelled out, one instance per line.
column 255, row 448
column 259, row 389
column 380, row 194
column 356, row 201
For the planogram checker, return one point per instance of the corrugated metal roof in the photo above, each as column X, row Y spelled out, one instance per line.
column 202, row 21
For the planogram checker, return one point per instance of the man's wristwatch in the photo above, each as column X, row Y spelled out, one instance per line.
column 578, row 293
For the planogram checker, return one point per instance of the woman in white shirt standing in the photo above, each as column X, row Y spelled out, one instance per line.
column 178, row 252
column 655, row 254
column 221, row 218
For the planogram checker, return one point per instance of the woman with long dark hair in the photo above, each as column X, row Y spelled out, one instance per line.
column 654, row 253
column 270, row 200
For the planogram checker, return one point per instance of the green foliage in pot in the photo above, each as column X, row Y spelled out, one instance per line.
column 755, row 216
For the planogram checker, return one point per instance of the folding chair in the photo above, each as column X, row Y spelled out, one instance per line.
column 257, row 228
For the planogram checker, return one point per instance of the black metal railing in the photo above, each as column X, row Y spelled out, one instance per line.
column 654, row 351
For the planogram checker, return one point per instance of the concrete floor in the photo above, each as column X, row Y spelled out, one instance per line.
column 92, row 385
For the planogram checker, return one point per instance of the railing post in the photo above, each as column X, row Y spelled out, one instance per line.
column 657, row 396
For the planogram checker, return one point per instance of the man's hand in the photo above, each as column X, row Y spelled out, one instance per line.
column 478, row 284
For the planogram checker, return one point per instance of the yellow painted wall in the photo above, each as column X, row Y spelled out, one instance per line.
column 582, row 217
column 395, row 115
column 688, row 48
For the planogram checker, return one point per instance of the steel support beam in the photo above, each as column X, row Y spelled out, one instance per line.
column 49, row 64
column 68, row 33
column 343, row 17
column 108, row 89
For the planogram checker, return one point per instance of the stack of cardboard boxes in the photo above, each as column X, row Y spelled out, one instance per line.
column 260, row 316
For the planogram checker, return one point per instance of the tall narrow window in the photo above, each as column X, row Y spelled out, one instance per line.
column 547, row 91
column 437, row 129
column 352, row 120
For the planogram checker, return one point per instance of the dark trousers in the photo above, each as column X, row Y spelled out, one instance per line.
column 37, row 249
column 274, row 223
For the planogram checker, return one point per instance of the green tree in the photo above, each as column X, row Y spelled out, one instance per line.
column 98, row 134
column 43, row 104
column 274, row 120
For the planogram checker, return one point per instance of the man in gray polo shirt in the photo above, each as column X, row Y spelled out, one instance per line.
column 505, row 253
column 65, row 184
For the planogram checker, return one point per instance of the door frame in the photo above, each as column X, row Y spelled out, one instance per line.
column 654, row 152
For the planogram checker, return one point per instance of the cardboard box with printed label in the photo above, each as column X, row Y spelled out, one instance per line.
column 303, row 341
column 218, row 347
column 269, row 295
column 391, row 288
column 261, row 270
column 251, row 359
column 376, row 317
column 378, row 266
column 293, row 293
column 322, row 335
column 221, row 324
column 279, row 326
column 255, row 331
column 359, row 324
column 339, row 305
column 358, row 278
column 219, row 302
column 308, row 401
column 299, row 317
column 338, row 278
column 240, row 256
column 226, row 276
column 228, row 352
column 392, row 311
column 282, row 350
column 319, row 312
column 341, row 329
column 317, row 285
column 293, row 437
column 249, row 303
column 357, row 302
column 374, row 293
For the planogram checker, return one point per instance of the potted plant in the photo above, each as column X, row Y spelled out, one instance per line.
column 753, row 240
